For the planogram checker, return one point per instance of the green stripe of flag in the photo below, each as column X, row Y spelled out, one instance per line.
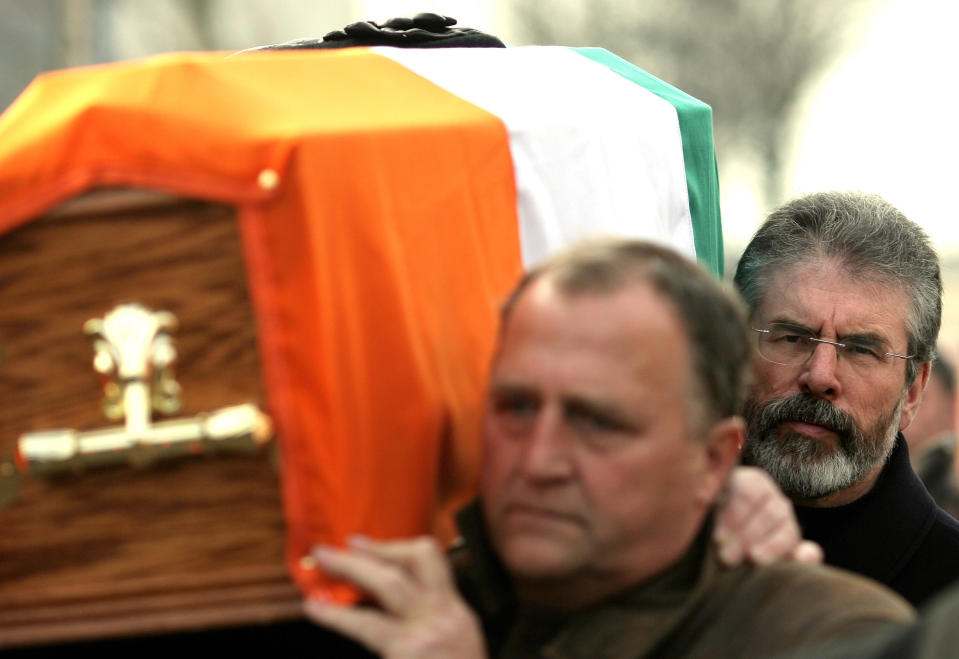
column 699, row 154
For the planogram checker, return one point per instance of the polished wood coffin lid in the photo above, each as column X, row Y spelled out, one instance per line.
column 184, row 545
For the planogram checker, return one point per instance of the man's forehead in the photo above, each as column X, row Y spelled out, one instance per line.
column 819, row 293
column 633, row 334
column 636, row 303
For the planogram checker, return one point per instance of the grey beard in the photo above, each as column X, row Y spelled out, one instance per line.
column 804, row 467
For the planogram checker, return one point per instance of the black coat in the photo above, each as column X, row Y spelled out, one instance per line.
column 895, row 534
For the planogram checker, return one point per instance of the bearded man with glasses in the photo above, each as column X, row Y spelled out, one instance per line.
column 845, row 299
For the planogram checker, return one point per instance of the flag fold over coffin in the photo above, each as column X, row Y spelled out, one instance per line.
column 387, row 200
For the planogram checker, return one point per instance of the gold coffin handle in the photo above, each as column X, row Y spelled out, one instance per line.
column 134, row 352
column 236, row 429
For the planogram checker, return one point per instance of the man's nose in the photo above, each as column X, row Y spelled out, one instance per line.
column 820, row 373
column 548, row 451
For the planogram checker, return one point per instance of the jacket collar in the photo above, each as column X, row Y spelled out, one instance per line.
column 633, row 623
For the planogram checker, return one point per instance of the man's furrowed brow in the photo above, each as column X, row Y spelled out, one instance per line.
column 610, row 411
column 506, row 386
column 785, row 323
column 866, row 339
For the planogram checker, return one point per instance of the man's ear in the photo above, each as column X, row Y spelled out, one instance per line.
column 723, row 444
column 910, row 404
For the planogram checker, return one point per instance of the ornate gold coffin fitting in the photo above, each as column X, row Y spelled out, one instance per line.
column 133, row 350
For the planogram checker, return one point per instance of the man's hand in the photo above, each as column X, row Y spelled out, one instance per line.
column 756, row 522
column 420, row 613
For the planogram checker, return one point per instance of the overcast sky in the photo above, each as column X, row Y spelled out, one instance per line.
column 885, row 119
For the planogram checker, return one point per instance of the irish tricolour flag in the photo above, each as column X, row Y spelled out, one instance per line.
column 598, row 145
column 387, row 201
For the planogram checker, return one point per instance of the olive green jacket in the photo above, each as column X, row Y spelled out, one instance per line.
column 697, row 608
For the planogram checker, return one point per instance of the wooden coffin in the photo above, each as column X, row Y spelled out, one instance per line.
column 183, row 544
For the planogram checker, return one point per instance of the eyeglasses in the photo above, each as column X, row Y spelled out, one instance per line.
column 790, row 346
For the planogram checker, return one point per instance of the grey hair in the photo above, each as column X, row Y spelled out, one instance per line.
column 870, row 237
column 713, row 315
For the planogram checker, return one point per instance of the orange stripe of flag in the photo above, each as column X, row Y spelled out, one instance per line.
column 378, row 271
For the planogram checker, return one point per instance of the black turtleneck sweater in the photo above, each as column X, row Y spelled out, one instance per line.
column 895, row 534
